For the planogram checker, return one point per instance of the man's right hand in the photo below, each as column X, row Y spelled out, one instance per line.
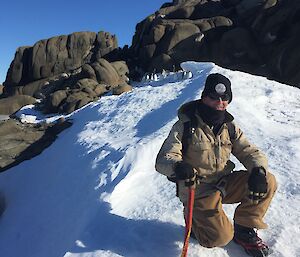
column 183, row 171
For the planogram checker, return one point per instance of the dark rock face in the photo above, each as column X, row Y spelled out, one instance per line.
column 258, row 36
column 21, row 142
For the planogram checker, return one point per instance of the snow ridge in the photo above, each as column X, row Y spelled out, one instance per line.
column 95, row 192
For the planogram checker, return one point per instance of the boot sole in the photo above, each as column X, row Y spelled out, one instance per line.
column 261, row 254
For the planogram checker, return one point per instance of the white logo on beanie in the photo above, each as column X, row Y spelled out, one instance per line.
column 220, row 88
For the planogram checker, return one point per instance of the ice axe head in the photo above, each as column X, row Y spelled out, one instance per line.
column 191, row 182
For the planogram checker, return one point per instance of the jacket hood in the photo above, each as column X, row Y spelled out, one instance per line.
column 187, row 110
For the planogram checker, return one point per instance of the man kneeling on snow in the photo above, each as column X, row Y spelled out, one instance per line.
column 200, row 144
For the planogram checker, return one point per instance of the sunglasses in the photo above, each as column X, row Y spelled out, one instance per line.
column 217, row 97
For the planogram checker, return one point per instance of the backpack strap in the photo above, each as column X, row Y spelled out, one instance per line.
column 189, row 128
column 231, row 131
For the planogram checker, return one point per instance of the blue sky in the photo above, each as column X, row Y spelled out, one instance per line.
column 22, row 23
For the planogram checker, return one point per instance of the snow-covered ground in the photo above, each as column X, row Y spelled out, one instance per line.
column 94, row 192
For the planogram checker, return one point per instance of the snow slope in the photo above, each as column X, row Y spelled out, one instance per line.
column 95, row 192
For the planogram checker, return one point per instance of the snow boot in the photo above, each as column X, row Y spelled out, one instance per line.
column 249, row 240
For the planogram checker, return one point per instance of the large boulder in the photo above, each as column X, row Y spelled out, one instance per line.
column 72, row 98
column 74, row 101
column 66, row 72
column 244, row 52
column 21, row 142
column 258, row 36
column 122, row 70
column 160, row 62
column 121, row 89
column 179, row 32
column 106, row 44
column 54, row 101
column 180, row 39
column 105, row 72
column 56, row 55
column 94, row 80
column 10, row 105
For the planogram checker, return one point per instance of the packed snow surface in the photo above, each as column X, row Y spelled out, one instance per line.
column 95, row 192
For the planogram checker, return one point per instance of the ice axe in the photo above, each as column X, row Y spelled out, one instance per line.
column 190, row 183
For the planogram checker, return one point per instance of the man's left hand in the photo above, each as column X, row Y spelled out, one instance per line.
column 257, row 184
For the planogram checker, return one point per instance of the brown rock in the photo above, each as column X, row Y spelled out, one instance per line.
column 191, row 48
column 74, row 100
column 242, row 51
column 161, row 62
column 121, row 89
column 83, row 102
column 147, row 52
column 120, row 67
column 254, row 36
column 76, row 96
column 57, row 97
column 21, row 142
column 105, row 73
column 107, row 43
column 158, row 32
column 181, row 13
column 180, row 32
column 17, row 68
column 88, row 72
column 57, row 55
column 101, row 89
column 83, row 83
column 12, row 104
column 90, row 92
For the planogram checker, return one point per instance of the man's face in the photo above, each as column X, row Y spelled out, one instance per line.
column 217, row 104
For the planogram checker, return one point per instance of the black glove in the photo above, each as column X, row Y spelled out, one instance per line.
column 183, row 171
column 257, row 184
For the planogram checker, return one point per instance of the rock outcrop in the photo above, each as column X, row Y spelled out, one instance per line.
column 258, row 36
column 65, row 72
column 57, row 55
column 9, row 105
column 21, row 142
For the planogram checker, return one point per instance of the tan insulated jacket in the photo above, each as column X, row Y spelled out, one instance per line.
column 207, row 153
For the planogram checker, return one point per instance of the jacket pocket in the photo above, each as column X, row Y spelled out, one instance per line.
column 202, row 155
column 226, row 148
column 201, row 146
